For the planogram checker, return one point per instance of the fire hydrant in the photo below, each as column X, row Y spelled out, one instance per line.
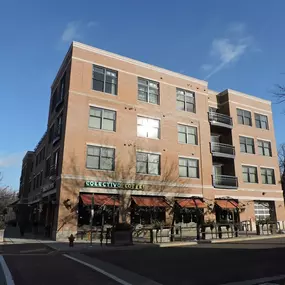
column 71, row 240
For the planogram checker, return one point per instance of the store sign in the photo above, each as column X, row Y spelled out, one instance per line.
column 113, row 185
column 48, row 187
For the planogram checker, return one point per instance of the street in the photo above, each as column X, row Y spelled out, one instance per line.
column 206, row 263
column 232, row 263
column 35, row 264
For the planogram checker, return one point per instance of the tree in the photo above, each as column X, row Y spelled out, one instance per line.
column 279, row 94
column 281, row 159
column 7, row 196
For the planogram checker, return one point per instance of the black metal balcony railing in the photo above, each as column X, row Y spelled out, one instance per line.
column 225, row 181
column 220, row 149
column 218, row 118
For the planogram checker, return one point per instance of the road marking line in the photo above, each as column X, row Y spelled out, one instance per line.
column 7, row 273
column 33, row 250
column 257, row 281
column 119, row 280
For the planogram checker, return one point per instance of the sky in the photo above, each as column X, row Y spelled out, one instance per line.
column 232, row 44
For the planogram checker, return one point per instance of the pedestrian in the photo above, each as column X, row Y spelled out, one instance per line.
column 22, row 229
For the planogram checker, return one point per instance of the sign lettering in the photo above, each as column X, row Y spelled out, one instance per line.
column 113, row 185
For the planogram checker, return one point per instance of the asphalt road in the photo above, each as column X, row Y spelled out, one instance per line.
column 35, row 264
column 204, row 264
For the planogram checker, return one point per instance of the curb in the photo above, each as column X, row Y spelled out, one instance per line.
column 248, row 238
column 229, row 240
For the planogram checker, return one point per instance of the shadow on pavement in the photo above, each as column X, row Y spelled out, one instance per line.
column 198, row 265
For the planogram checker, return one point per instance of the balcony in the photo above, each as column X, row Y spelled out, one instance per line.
column 221, row 120
column 222, row 150
column 225, row 181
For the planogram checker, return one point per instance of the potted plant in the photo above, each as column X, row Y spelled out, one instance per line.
column 2, row 229
column 122, row 234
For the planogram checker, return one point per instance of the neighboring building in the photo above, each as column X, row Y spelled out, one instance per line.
column 117, row 125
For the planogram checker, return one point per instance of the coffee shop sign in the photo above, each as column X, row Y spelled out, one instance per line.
column 113, row 185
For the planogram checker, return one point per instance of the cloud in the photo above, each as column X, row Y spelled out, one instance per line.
column 71, row 32
column 11, row 159
column 92, row 24
column 229, row 49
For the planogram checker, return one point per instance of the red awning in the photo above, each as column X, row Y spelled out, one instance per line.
column 227, row 204
column 191, row 203
column 100, row 199
column 150, row 201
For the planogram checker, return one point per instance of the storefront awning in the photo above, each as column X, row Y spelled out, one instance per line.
column 100, row 199
column 191, row 203
column 149, row 201
column 227, row 204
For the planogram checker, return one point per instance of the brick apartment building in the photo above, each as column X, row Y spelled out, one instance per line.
column 137, row 137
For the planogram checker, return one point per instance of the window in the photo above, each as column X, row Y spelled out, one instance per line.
column 261, row 121
column 267, row 176
column 262, row 211
column 148, row 163
column 187, row 134
column 57, row 129
column 249, row 174
column 37, row 180
column 185, row 100
column 264, row 148
column 105, row 80
column 43, row 153
column 244, row 117
column 53, row 100
column 48, row 165
column 148, row 128
column 102, row 119
column 188, row 167
column 34, row 183
column 100, row 158
column 41, row 178
column 62, row 88
column 148, row 91
column 55, row 161
column 50, row 134
column 246, row 145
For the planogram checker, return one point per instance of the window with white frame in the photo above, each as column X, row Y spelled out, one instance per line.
column 187, row 134
column 102, row 119
column 148, row 163
column 102, row 158
column 261, row 121
column 148, row 91
column 105, row 80
column 188, row 167
column 262, row 211
column 267, row 176
column 246, row 144
column 249, row 174
column 148, row 128
column 185, row 100
column 264, row 148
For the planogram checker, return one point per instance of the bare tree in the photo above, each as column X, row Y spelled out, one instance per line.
column 279, row 93
column 7, row 196
column 281, row 159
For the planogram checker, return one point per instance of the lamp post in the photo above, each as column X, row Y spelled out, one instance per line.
column 91, row 218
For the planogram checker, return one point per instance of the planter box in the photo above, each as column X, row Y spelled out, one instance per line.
column 2, row 236
column 122, row 237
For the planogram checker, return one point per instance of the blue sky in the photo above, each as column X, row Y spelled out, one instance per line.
column 233, row 44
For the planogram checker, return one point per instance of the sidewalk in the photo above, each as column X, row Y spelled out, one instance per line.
column 85, row 246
